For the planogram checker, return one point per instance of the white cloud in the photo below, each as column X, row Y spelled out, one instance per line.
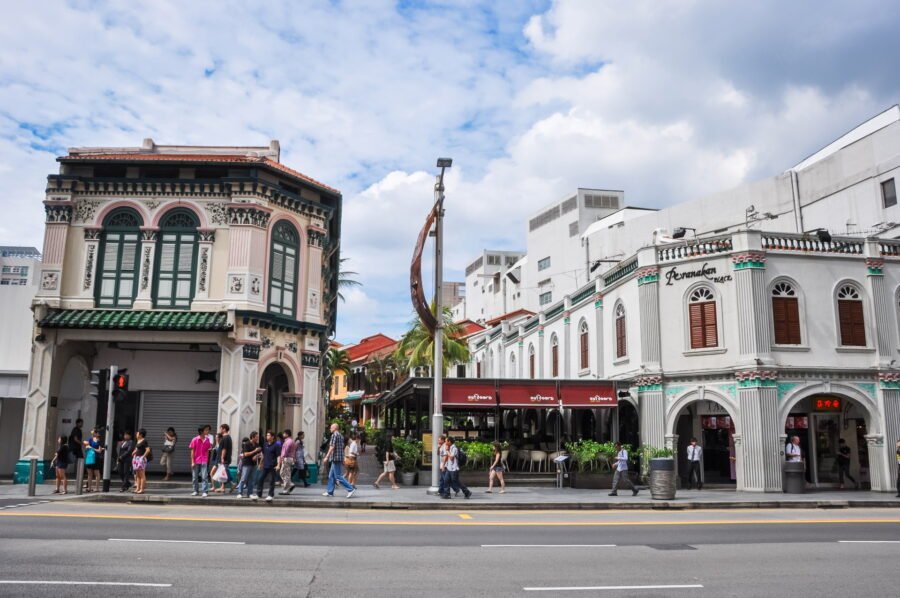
column 666, row 100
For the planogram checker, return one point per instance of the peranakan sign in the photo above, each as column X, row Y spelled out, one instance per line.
column 706, row 272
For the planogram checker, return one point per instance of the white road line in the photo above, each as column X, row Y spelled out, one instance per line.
column 868, row 541
column 14, row 582
column 594, row 588
column 171, row 541
column 548, row 545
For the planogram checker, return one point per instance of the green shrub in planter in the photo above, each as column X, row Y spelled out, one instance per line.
column 478, row 453
column 407, row 452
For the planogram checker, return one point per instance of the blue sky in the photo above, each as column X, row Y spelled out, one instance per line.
column 666, row 100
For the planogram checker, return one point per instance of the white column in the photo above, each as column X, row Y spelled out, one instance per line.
column 890, row 401
column 652, row 411
column 760, row 457
column 598, row 335
column 313, row 422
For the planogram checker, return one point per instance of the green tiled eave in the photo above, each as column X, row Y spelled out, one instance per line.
column 125, row 319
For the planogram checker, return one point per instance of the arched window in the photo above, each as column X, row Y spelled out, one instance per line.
column 785, row 314
column 621, row 340
column 176, row 260
column 583, row 346
column 554, row 357
column 851, row 318
column 118, row 264
column 478, row 369
column 512, row 366
column 283, row 269
column 702, row 314
column 531, row 372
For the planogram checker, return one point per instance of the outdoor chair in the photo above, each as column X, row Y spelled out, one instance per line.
column 537, row 456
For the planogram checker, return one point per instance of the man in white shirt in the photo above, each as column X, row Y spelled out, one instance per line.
column 792, row 451
column 621, row 471
column 451, row 466
column 694, row 455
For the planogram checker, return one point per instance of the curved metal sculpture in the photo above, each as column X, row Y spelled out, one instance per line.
column 415, row 275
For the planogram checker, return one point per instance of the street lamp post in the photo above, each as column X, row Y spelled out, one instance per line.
column 437, row 420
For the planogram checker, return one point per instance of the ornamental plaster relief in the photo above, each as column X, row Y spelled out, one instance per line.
column 86, row 209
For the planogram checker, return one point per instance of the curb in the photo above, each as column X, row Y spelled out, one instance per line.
column 467, row 505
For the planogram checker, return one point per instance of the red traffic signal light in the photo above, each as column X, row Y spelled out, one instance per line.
column 120, row 382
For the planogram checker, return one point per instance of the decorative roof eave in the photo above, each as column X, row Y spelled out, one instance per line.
column 276, row 322
column 269, row 165
column 126, row 319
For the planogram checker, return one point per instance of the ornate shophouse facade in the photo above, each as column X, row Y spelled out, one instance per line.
column 209, row 273
column 740, row 341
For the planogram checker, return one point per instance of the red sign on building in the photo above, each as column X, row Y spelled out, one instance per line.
column 589, row 395
column 528, row 395
column 469, row 395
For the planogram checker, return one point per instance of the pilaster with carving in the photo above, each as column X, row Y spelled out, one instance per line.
column 237, row 390
column 89, row 265
column 881, row 305
column 648, row 299
column 207, row 237
column 889, row 397
column 313, row 419
column 59, row 217
column 315, row 242
column 248, row 233
column 754, row 310
column 146, row 262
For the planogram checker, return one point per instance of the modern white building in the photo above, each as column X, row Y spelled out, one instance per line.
column 778, row 316
column 493, row 282
column 210, row 273
column 18, row 267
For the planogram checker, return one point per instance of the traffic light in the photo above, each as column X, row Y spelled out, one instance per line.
column 120, row 387
column 98, row 384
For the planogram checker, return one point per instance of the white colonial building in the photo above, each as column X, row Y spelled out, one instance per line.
column 733, row 335
column 209, row 273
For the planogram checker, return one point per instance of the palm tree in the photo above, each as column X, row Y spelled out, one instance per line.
column 380, row 370
column 346, row 278
column 335, row 359
column 416, row 348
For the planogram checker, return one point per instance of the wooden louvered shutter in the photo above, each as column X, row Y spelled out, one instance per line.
column 786, row 320
column 554, row 357
column 531, row 366
column 584, row 350
column 704, row 332
column 852, row 323
column 621, row 347
column 710, row 325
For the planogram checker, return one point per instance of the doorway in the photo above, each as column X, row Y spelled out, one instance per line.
column 275, row 385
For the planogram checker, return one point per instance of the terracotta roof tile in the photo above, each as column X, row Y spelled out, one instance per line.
column 513, row 314
column 369, row 345
column 223, row 158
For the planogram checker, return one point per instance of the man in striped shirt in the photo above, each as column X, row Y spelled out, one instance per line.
column 335, row 456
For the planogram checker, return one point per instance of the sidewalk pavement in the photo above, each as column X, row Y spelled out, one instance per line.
column 518, row 498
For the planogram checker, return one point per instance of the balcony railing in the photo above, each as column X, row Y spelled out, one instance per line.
column 693, row 248
column 812, row 244
column 620, row 272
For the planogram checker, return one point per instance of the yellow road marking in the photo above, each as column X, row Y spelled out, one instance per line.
column 445, row 523
column 464, row 516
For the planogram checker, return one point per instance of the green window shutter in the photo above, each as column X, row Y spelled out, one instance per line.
column 176, row 263
column 118, row 267
column 283, row 270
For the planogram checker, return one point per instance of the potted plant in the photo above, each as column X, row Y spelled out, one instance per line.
column 478, row 459
column 407, row 452
column 658, row 465
column 591, row 463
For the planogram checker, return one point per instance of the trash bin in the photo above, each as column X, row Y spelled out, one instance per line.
column 794, row 481
column 312, row 473
column 662, row 479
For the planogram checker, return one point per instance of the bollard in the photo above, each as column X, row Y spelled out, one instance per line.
column 32, row 476
column 79, row 475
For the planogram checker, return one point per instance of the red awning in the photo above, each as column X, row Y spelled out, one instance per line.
column 469, row 395
column 528, row 395
column 588, row 394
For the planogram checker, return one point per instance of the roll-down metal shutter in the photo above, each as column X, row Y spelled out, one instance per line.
column 184, row 411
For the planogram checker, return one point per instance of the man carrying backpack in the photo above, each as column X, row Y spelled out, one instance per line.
column 451, row 466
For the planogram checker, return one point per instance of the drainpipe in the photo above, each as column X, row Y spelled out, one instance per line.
column 795, row 196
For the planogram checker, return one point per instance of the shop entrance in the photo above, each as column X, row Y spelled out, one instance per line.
column 822, row 422
column 275, row 384
column 714, row 429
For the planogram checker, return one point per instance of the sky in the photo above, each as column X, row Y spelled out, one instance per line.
column 667, row 100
